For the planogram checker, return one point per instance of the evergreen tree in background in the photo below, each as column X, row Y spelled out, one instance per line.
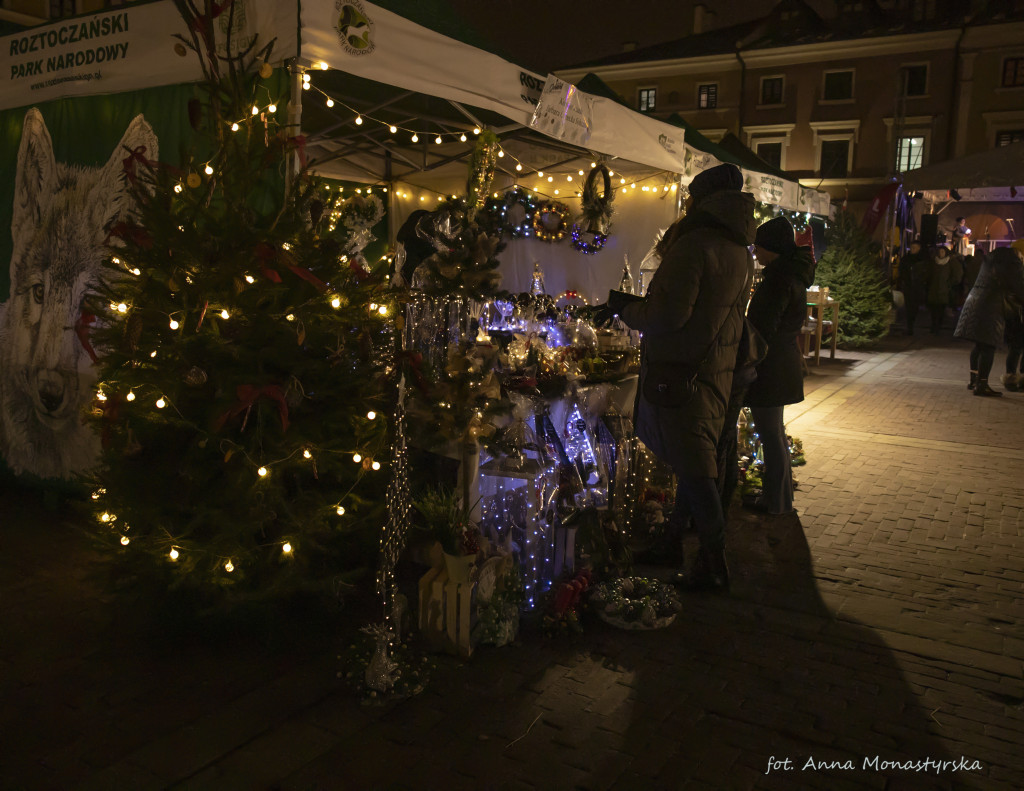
column 850, row 269
column 244, row 349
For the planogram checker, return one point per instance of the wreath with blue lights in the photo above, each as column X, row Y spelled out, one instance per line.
column 504, row 211
column 596, row 212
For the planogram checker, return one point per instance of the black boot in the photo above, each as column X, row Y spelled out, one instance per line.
column 974, row 380
column 982, row 389
column 709, row 573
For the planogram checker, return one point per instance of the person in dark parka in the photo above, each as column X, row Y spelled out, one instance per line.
column 982, row 318
column 778, row 309
column 692, row 318
column 914, row 269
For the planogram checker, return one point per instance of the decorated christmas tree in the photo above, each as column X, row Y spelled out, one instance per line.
column 245, row 352
column 850, row 269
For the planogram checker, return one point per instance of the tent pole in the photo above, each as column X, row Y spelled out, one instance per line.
column 294, row 122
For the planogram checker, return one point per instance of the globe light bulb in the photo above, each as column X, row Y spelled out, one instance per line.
column 393, row 129
column 255, row 110
column 234, row 127
column 122, row 308
column 287, row 548
column 462, row 137
column 438, row 139
column 340, row 510
column 174, row 324
column 306, row 454
column 335, row 303
column 415, row 137
column 250, row 279
column 262, row 472
column 371, row 415
column 359, row 120
column 330, row 102
column 272, row 108
column 376, row 465
column 173, row 553
column 208, row 170
column 229, row 567
column 224, row 314
column 130, row 396
column 383, row 310
column 125, row 541
column 356, row 458
column 160, row 403
column 476, row 130
column 178, row 188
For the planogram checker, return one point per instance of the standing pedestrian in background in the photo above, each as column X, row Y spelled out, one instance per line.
column 945, row 276
column 983, row 316
column 778, row 309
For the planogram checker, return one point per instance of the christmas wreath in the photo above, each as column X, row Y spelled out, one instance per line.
column 550, row 221
column 585, row 247
column 597, row 207
column 636, row 603
column 513, row 212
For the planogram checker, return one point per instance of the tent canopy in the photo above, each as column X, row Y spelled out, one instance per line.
column 985, row 175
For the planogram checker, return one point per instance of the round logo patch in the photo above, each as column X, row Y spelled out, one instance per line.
column 355, row 30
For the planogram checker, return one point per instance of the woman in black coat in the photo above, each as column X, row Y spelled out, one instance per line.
column 982, row 318
column 914, row 269
column 778, row 309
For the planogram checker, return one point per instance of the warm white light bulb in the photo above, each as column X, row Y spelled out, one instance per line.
column 551, row 178
column 373, row 306
column 234, row 127
column 392, row 129
column 330, row 102
column 415, row 137
column 262, row 472
column 173, row 553
column 518, row 166
column 136, row 271
column 290, row 317
column 500, row 153
column 305, row 86
column 125, row 541
column 153, row 353
column 568, row 178
column 383, row 310
column 224, row 314
column 540, row 173
column 255, row 110
column 174, row 324
column 335, row 303
column 323, row 66
column 130, row 396
column 306, row 78
column 371, row 415
column 287, row 548
column 376, row 465
column 306, row 454
column 438, row 139
column 462, row 137
column 340, row 510
column 272, row 108
column 250, row 279
column 593, row 164
column 611, row 172
column 359, row 120
column 476, row 130
column 160, row 403
column 105, row 517
column 229, row 567
column 356, row 458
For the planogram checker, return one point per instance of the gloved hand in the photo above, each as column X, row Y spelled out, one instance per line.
column 617, row 300
column 602, row 315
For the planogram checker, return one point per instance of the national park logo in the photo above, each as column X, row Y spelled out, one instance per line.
column 355, row 30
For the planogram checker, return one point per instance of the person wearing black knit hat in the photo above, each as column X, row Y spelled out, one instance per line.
column 777, row 309
column 692, row 319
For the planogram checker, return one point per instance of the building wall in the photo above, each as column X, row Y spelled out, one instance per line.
column 960, row 111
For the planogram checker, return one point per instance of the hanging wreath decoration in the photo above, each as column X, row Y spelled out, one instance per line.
column 596, row 212
column 585, row 247
column 550, row 221
column 513, row 212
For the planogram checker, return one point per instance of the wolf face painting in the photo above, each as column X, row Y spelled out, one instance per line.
column 59, row 245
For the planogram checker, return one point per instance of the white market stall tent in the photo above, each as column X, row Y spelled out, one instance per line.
column 388, row 79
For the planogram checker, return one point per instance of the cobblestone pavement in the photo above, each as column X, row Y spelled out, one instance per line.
column 883, row 624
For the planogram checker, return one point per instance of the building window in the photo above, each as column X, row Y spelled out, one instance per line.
column 707, row 96
column 1013, row 72
column 835, row 159
column 838, row 86
column 61, row 8
column 771, row 153
column 1009, row 136
column 909, row 153
column 771, row 90
column 646, row 102
column 915, row 80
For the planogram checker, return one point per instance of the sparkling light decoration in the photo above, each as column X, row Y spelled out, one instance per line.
column 398, row 504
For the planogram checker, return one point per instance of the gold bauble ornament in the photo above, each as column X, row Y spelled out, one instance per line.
column 266, row 70
column 193, row 180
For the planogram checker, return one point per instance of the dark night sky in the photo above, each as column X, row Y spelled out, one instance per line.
column 545, row 35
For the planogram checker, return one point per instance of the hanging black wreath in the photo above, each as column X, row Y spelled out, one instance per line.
column 597, row 207
column 550, row 221
column 513, row 212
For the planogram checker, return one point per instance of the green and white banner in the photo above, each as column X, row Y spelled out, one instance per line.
column 127, row 49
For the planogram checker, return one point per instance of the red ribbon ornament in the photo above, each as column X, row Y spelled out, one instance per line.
column 82, row 326
column 247, row 397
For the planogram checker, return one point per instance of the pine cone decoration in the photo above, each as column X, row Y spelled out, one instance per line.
column 195, row 376
column 133, row 331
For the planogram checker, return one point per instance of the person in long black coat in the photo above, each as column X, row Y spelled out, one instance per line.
column 778, row 309
column 982, row 318
column 913, row 281
column 692, row 320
